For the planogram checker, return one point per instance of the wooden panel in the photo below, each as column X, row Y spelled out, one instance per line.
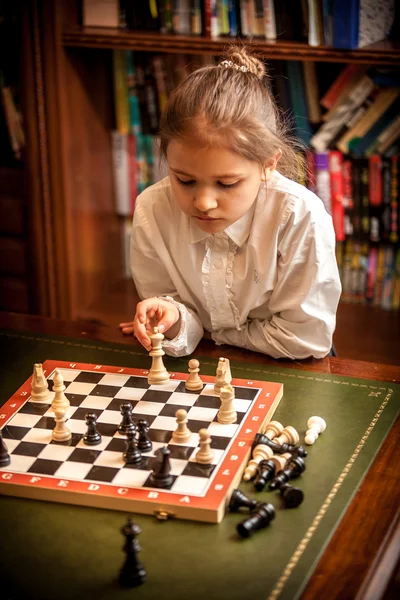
column 14, row 295
column 12, row 256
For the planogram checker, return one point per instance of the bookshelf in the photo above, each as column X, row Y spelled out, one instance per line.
column 76, row 235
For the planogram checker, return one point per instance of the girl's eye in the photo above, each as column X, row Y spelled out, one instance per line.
column 182, row 182
column 227, row 185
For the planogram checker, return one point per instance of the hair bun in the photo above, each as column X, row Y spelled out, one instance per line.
column 242, row 57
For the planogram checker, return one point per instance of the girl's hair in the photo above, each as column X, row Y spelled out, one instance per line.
column 230, row 104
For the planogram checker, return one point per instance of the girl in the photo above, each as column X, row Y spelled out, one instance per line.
column 227, row 246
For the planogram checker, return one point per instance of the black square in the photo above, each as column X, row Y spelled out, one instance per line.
column 76, row 437
column 75, row 399
column 181, row 452
column 156, row 396
column 84, row 456
column 169, row 410
column 45, row 423
column 105, row 474
column 208, row 402
column 137, row 382
column 182, row 389
column 116, row 445
column 115, row 404
column 195, row 469
column 107, row 429
column 80, row 413
column 45, row 467
column 160, row 435
column 107, row 391
column 89, row 377
column 29, row 449
column 220, row 443
column 12, row 432
column 246, row 393
column 147, row 463
column 35, row 408
column 195, row 426
column 148, row 483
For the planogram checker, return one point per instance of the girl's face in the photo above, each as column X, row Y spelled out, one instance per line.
column 213, row 186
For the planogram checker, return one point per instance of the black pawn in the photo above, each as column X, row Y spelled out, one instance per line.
column 292, row 496
column 240, row 500
column 144, row 442
column 132, row 454
column 265, row 472
column 294, row 468
column 4, row 456
column 260, row 518
column 92, row 436
column 127, row 423
column 132, row 572
column 160, row 476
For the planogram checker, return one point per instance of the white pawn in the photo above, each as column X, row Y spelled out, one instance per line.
column 40, row 387
column 288, row 436
column 223, row 375
column 193, row 382
column 182, row 433
column 316, row 425
column 204, row 455
column 280, row 461
column 61, row 433
column 158, row 374
column 260, row 452
column 227, row 413
column 273, row 429
column 60, row 400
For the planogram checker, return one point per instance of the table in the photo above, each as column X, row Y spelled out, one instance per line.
column 358, row 562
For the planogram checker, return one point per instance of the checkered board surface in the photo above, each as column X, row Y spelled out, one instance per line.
column 97, row 475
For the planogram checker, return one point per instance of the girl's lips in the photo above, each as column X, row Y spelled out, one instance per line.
column 206, row 219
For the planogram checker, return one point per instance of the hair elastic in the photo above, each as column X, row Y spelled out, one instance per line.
column 228, row 64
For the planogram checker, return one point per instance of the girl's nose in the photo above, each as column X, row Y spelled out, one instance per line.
column 205, row 200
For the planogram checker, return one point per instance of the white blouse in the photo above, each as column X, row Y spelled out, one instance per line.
column 269, row 282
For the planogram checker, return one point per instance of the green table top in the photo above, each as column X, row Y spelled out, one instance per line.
column 62, row 551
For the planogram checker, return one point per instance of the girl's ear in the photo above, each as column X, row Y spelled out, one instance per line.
column 270, row 166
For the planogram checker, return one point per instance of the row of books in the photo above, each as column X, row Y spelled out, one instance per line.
column 12, row 119
column 370, row 274
column 338, row 23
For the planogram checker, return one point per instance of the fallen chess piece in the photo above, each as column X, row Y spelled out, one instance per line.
column 291, row 496
column 316, row 425
column 240, row 500
column 261, row 517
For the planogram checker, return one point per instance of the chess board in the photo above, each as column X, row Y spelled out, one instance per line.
column 97, row 475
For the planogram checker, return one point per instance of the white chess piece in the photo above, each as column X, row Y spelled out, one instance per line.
column 193, row 382
column 260, row 452
column 60, row 400
column 316, row 425
column 204, row 455
column 280, row 461
column 223, row 375
column 288, row 436
column 273, row 429
column 182, row 433
column 61, row 433
column 158, row 374
column 227, row 413
column 40, row 387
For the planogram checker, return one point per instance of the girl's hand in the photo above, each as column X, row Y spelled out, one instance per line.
column 150, row 313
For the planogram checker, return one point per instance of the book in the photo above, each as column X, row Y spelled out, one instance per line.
column 348, row 204
column 335, row 159
column 120, row 91
column 388, row 278
column 380, row 268
column 385, row 139
column 345, row 23
column 386, row 212
column 344, row 78
column 371, row 274
column 315, row 32
column 322, row 179
column 394, row 199
column 312, row 91
column 396, row 282
column 375, row 197
column 269, row 20
column 100, row 13
column 358, row 23
column 120, row 162
column 359, row 145
column 133, row 101
column 364, row 199
column 298, row 100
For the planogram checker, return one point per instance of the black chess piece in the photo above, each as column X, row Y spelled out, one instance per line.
column 92, row 437
column 292, row 496
column 144, row 442
column 260, row 518
column 160, row 476
column 240, row 500
column 294, row 468
column 265, row 472
column 127, row 423
column 132, row 573
column 4, row 456
column 132, row 454
column 260, row 438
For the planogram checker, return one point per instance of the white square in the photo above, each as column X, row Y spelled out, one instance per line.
column 242, row 405
column 76, row 426
column 208, row 390
column 80, row 388
column 69, row 413
column 200, row 413
column 19, row 463
column 177, row 466
column 148, row 408
column 40, row 436
column 110, row 416
column 133, row 478
column 117, row 379
column 73, row 470
column 222, row 430
column 95, row 402
column 153, row 451
column 218, row 454
column 105, row 440
column 110, row 459
column 191, row 486
column 48, row 400
column 67, row 374
column 56, row 452
column 128, row 393
column 166, row 423
column 170, row 386
column 182, row 398
column 11, row 445
column 192, row 443
column 24, row 420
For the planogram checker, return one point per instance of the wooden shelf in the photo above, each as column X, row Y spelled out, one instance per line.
column 381, row 53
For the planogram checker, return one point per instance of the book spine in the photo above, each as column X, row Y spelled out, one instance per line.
column 207, row 14
column 371, row 276
column 364, row 204
column 388, row 279
column 348, row 204
column 232, row 17
column 334, row 91
column 380, row 268
column 396, row 282
column 119, row 151
column 394, row 199
column 375, row 197
column 196, row 25
column 336, row 184
column 269, row 20
column 310, row 170
column 322, row 179
column 345, row 24
column 132, row 171
column 120, row 91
